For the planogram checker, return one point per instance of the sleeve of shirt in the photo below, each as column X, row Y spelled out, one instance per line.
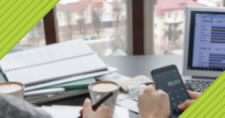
column 11, row 107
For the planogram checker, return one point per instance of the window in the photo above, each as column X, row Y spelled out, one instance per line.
column 36, row 37
column 169, row 33
column 102, row 23
column 169, row 15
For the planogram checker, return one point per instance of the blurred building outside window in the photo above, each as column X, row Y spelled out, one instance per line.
column 34, row 38
column 102, row 23
column 169, row 19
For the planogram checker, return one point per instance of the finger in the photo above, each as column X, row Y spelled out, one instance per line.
column 87, row 104
column 149, row 89
column 185, row 105
column 193, row 95
column 152, row 85
column 162, row 94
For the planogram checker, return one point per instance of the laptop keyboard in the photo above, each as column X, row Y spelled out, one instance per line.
column 197, row 85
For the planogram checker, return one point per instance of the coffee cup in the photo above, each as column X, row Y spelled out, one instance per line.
column 15, row 89
column 98, row 90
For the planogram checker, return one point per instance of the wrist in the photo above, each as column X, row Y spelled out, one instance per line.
column 154, row 116
column 159, row 115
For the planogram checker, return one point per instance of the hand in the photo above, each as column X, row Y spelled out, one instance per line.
column 153, row 103
column 187, row 103
column 101, row 112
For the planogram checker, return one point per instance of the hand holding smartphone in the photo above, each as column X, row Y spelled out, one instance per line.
column 169, row 80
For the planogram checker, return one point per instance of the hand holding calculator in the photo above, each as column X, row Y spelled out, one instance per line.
column 169, row 80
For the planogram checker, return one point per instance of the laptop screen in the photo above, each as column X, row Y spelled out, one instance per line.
column 207, row 41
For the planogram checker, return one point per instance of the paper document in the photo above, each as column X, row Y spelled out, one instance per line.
column 129, row 104
column 126, row 83
column 63, row 111
column 74, row 111
column 129, row 101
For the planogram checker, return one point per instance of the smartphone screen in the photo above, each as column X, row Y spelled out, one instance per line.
column 169, row 80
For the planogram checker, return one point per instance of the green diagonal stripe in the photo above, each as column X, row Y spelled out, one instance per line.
column 211, row 104
column 18, row 17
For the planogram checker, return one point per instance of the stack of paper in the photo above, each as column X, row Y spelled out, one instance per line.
column 74, row 111
column 50, row 63
column 54, row 69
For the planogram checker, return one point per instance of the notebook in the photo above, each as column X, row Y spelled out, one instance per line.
column 50, row 63
column 211, row 104
column 49, row 98
column 72, row 84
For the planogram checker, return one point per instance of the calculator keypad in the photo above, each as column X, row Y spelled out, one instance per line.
column 177, row 97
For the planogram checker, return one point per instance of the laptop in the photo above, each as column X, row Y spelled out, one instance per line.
column 204, row 53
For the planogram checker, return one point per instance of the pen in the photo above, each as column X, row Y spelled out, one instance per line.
column 96, row 105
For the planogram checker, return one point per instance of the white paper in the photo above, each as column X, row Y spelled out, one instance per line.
column 135, row 92
column 129, row 104
column 125, row 101
column 74, row 111
column 121, row 112
column 63, row 111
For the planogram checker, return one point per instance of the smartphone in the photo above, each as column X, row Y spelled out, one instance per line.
column 169, row 80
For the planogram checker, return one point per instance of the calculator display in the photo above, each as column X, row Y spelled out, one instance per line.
column 169, row 80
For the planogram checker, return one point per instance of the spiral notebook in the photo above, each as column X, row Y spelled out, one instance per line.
column 53, row 62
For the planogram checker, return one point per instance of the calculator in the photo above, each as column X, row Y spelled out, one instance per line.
column 169, row 80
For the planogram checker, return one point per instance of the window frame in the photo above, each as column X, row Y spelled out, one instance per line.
column 140, row 27
column 51, row 27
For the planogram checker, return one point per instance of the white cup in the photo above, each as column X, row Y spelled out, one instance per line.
column 100, row 89
column 15, row 89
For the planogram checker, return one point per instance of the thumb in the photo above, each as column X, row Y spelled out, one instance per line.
column 185, row 105
column 193, row 95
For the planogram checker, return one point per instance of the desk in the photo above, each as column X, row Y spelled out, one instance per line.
column 141, row 65
column 130, row 66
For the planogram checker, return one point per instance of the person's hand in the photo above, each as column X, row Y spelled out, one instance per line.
column 187, row 103
column 101, row 112
column 153, row 103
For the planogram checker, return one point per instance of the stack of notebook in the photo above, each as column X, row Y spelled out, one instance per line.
column 58, row 69
column 58, row 91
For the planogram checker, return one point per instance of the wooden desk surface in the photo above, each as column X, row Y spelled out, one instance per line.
column 130, row 66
